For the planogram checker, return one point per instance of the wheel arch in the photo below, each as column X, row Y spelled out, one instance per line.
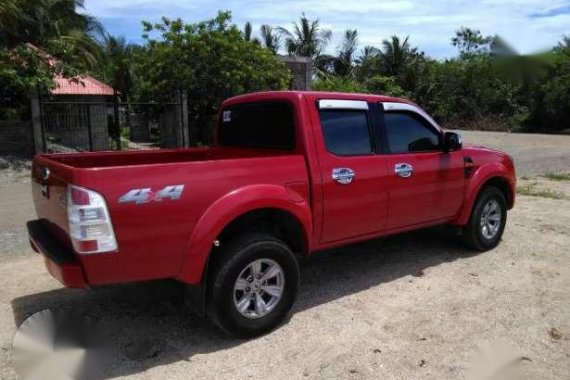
column 237, row 211
column 490, row 175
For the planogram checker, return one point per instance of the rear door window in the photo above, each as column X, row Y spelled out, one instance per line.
column 346, row 132
column 258, row 125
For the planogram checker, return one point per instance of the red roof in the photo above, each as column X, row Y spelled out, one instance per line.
column 81, row 86
column 84, row 85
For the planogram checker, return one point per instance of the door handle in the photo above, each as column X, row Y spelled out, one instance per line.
column 403, row 170
column 344, row 176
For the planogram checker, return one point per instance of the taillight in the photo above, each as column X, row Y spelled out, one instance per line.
column 90, row 224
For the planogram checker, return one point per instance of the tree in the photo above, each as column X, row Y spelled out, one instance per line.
column 247, row 31
column 211, row 60
column 271, row 39
column 116, row 66
column 307, row 39
column 55, row 26
column 395, row 55
column 550, row 97
column 470, row 41
column 367, row 63
column 344, row 62
column 38, row 40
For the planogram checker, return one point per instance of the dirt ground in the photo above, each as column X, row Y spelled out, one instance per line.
column 413, row 306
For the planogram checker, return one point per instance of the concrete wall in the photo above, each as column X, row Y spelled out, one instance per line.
column 301, row 71
column 16, row 138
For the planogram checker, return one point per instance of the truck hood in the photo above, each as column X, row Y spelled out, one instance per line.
column 483, row 149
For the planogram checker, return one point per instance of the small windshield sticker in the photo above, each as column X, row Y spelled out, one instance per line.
column 227, row 116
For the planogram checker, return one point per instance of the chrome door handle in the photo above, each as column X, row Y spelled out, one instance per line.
column 403, row 170
column 344, row 176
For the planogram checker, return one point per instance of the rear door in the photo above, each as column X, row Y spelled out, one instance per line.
column 353, row 176
column 425, row 183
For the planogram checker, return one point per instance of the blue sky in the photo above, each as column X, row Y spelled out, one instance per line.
column 528, row 25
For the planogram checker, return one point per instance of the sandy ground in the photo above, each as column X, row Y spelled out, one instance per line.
column 413, row 306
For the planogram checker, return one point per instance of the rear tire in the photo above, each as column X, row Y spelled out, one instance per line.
column 253, row 285
column 487, row 222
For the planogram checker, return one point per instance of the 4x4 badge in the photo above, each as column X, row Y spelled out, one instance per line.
column 145, row 195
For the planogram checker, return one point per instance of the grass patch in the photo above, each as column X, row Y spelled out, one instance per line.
column 533, row 191
column 557, row 176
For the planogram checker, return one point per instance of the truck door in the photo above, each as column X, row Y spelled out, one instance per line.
column 425, row 183
column 353, row 177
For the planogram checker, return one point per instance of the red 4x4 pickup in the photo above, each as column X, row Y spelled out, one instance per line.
column 289, row 173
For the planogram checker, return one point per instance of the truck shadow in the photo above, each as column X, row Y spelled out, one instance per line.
column 150, row 327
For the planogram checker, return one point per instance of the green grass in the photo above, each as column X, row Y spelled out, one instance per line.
column 532, row 191
column 557, row 176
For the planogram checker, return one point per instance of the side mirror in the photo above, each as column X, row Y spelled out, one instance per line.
column 452, row 141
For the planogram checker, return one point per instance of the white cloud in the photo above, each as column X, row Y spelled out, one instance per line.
column 430, row 24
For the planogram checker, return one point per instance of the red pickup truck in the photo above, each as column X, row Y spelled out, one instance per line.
column 289, row 173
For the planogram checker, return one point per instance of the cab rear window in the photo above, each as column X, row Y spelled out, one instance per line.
column 258, row 125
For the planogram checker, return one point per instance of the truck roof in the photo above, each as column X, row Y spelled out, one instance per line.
column 264, row 95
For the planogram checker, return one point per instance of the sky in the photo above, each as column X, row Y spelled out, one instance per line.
column 527, row 25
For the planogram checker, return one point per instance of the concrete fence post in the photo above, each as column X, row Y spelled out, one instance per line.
column 184, row 119
column 38, row 133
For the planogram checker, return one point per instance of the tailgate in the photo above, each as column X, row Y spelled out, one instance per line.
column 49, row 192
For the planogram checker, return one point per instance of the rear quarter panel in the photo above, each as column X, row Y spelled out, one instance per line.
column 153, row 236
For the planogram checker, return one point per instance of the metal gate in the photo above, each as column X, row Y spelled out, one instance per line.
column 96, row 123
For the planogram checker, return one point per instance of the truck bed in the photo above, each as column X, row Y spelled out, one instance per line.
column 152, row 237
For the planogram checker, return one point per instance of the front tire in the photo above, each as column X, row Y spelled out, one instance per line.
column 487, row 222
column 253, row 285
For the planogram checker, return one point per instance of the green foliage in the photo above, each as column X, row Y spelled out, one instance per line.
column 385, row 85
column 53, row 25
column 558, row 176
column 550, row 104
column 211, row 60
column 117, row 64
column 338, row 84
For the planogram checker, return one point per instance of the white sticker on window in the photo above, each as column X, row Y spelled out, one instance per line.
column 227, row 116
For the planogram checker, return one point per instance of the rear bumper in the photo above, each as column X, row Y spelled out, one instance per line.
column 60, row 261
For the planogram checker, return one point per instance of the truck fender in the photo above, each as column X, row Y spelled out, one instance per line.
column 228, row 208
column 476, row 182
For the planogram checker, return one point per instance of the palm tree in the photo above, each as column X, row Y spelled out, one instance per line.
column 51, row 25
column 40, row 20
column 307, row 39
column 344, row 63
column 117, row 67
column 368, row 63
column 394, row 55
column 271, row 39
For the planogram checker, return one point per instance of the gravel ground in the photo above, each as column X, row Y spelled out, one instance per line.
column 413, row 306
column 533, row 153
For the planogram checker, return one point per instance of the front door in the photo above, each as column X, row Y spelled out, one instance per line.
column 425, row 183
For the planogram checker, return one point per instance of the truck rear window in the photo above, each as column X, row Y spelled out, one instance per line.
column 258, row 125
